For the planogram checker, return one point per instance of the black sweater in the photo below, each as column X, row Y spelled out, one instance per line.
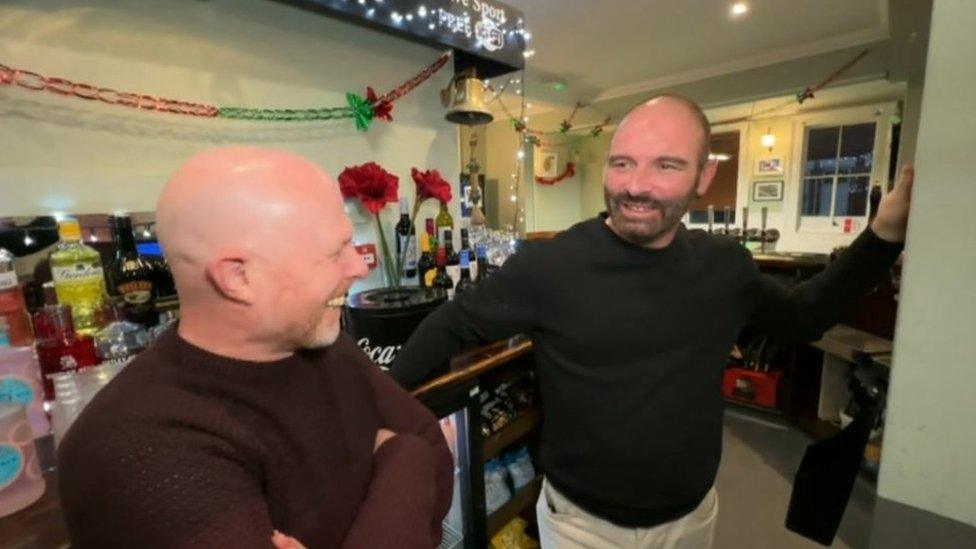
column 630, row 344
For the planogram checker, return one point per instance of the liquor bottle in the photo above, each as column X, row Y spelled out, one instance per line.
column 78, row 277
column 466, row 245
column 431, row 233
column 441, row 279
column 406, row 239
column 130, row 276
column 482, row 262
column 59, row 347
column 453, row 261
column 444, row 223
column 426, row 265
column 13, row 309
column 465, row 282
column 163, row 283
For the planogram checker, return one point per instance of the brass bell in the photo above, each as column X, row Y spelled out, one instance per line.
column 464, row 98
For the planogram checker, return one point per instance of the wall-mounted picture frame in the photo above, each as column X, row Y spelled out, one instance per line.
column 548, row 164
column 769, row 166
column 767, row 191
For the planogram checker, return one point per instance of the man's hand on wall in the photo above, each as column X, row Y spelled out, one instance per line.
column 892, row 220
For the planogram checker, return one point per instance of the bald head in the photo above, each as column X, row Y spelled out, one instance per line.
column 237, row 197
column 646, row 113
column 657, row 164
column 258, row 240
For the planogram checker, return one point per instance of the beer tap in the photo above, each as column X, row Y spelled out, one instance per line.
column 745, row 224
column 711, row 217
column 728, row 216
column 762, row 230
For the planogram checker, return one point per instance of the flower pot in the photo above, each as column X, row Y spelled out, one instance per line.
column 381, row 320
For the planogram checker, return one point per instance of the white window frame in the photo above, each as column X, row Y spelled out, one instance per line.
column 880, row 115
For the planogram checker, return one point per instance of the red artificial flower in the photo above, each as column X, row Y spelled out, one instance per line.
column 381, row 109
column 371, row 184
column 430, row 184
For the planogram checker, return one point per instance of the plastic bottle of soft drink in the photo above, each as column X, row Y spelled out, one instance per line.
column 13, row 310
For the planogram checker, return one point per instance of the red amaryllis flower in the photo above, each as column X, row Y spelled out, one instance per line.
column 371, row 184
column 430, row 184
column 381, row 109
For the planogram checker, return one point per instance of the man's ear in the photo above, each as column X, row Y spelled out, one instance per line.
column 229, row 275
column 706, row 177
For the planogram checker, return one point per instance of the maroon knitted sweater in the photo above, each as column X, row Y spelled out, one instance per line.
column 186, row 448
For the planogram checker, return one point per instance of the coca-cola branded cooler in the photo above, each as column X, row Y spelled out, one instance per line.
column 381, row 320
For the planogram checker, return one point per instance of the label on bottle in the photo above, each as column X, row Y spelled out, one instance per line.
column 8, row 280
column 79, row 272
column 16, row 390
column 409, row 260
column 441, row 236
column 11, row 464
column 135, row 292
column 450, row 294
column 454, row 271
column 429, row 278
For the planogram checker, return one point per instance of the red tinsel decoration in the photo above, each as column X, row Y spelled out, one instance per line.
column 570, row 171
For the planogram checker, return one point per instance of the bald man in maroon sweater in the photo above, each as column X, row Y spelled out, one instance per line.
column 255, row 423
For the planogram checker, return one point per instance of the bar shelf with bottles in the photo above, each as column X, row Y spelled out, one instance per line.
column 101, row 309
column 65, row 332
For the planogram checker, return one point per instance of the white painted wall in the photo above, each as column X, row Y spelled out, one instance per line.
column 556, row 207
column 79, row 156
column 930, row 441
column 502, row 144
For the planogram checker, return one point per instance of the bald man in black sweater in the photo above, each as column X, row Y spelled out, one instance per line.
column 632, row 317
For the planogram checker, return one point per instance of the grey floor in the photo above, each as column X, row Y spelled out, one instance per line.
column 761, row 455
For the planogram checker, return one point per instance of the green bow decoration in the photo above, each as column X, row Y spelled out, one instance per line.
column 362, row 111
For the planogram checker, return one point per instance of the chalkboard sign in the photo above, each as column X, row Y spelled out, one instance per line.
column 484, row 33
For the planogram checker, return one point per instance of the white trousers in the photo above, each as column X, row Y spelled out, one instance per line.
column 563, row 525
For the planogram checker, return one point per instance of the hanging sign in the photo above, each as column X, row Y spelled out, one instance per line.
column 490, row 31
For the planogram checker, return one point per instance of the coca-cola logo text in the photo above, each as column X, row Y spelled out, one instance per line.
column 383, row 356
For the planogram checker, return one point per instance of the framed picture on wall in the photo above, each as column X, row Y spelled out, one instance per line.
column 548, row 165
column 767, row 191
column 769, row 166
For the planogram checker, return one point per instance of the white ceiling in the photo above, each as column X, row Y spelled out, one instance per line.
column 613, row 48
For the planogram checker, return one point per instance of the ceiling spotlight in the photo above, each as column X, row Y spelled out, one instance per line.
column 739, row 8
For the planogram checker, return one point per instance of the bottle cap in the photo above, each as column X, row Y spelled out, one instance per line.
column 69, row 229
